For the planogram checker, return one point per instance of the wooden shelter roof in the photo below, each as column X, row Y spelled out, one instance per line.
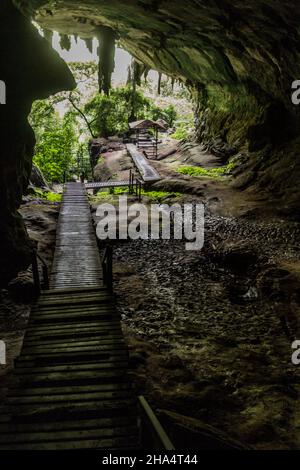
column 146, row 124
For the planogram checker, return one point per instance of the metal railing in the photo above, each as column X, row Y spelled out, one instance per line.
column 138, row 188
column 135, row 185
column 152, row 434
column 107, row 267
column 38, row 285
column 131, row 182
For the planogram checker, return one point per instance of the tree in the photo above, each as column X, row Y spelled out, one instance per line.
column 109, row 115
column 168, row 114
column 56, row 141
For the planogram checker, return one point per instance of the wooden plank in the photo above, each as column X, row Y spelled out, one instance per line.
column 115, row 443
column 65, row 390
column 66, row 327
column 64, row 436
column 82, row 424
column 71, row 317
column 82, row 346
column 52, row 330
column 76, row 377
column 74, row 308
column 73, row 355
column 97, row 408
column 66, row 368
column 81, row 397
column 97, row 300
column 63, row 291
column 67, row 341
column 71, row 337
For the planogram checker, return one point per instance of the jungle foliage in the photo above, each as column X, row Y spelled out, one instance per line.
column 64, row 123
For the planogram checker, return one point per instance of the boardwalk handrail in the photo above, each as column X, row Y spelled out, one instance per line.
column 138, row 187
column 152, row 434
column 147, row 172
column 107, row 267
column 35, row 257
column 131, row 181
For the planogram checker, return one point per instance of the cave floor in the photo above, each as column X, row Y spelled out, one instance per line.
column 206, row 339
column 210, row 332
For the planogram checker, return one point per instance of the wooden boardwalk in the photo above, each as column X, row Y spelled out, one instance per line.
column 76, row 260
column 107, row 184
column 70, row 387
column 146, row 170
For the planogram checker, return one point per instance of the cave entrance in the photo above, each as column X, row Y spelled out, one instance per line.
column 76, row 130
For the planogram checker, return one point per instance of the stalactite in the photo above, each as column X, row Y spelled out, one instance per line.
column 129, row 76
column 75, row 37
column 159, row 83
column 173, row 80
column 89, row 44
column 48, row 35
column 106, row 54
column 146, row 72
column 65, row 42
column 137, row 71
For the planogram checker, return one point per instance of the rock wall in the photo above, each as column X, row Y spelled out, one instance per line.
column 30, row 70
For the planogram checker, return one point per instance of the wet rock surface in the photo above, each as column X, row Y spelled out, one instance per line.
column 210, row 332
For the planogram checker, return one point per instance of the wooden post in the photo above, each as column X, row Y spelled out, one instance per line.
column 130, row 172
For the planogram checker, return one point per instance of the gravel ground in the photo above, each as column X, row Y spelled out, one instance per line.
column 210, row 332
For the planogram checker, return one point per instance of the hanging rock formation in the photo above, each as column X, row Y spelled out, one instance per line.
column 106, row 53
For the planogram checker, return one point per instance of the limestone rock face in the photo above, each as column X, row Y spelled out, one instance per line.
column 31, row 70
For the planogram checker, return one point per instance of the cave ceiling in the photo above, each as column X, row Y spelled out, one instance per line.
column 198, row 41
